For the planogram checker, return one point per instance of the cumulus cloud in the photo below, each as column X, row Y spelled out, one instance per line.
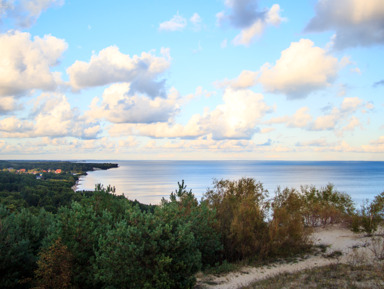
column 111, row 66
column 177, row 23
column 26, row 64
column 356, row 22
column 301, row 69
column 338, row 119
column 247, row 35
column 24, row 13
column 52, row 116
column 300, row 119
column 351, row 104
column 8, row 104
column 337, row 115
column 245, row 15
column 119, row 105
column 236, row 118
column 246, row 79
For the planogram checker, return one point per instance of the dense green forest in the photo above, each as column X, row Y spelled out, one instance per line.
column 52, row 237
column 63, row 165
column 42, row 184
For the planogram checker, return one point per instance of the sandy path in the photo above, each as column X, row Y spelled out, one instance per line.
column 339, row 239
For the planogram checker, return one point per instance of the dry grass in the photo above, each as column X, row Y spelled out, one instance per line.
column 331, row 276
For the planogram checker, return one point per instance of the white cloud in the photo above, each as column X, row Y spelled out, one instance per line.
column 248, row 34
column 353, row 123
column 356, row 22
column 119, row 105
column 196, row 21
column 300, row 119
column 338, row 115
column 301, row 69
column 26, row 64
column 111, row 66
column 52, row 116
column 177, row 23
column 14, row 125
column 375, row 146
column 24, row 13
column 326, row 122
column 246, row 79
column 8, row 104
column 351, row 104
column 236, row 118
column 245, row 15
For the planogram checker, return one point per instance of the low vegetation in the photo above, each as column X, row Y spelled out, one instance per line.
column 341, row 276
column 53, row 238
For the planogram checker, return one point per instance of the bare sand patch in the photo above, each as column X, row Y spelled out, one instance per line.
column 338, row 240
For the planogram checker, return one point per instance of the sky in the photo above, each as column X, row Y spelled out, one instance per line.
column 181, row 80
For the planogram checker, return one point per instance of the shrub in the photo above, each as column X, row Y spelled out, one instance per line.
column 370, row 215
column 241, row 212
column 326, row 206
column 287, row 233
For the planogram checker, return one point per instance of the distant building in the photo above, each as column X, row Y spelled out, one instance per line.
column 58, row 171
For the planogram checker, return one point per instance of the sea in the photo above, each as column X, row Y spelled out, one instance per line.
column 150, row 181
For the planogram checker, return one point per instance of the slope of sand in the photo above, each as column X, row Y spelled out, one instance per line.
column 337, row 238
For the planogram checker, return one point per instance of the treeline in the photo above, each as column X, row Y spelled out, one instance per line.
column 106, row 241
column 63, row 165
column 19, row 191
column 49, row 190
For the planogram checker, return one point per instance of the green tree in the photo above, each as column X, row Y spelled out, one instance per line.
column 202, row 220
column 79, row 228
column 21, row 237
column 54, row 267
column 148, row 251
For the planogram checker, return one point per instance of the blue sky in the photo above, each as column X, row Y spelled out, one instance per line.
column 220, row 79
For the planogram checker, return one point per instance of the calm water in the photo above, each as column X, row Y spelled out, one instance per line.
column 149, row 181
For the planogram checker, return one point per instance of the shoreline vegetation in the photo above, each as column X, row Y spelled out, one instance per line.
column 54, row 237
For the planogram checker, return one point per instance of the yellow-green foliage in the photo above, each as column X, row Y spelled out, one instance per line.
column 241, row 211
column 370, row 215
column 325, row 206
column 54, row 267
column 287, row 233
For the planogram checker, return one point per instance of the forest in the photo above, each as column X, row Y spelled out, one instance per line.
column 53, row 237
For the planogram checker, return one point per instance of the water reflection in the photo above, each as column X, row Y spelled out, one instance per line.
column 149, row 181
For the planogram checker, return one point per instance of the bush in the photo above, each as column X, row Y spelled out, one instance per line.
column 370, row 215
column 241, row 213
column 287, row 233
column 326, row 206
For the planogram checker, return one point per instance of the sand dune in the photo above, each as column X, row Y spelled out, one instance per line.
column 338, row 239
